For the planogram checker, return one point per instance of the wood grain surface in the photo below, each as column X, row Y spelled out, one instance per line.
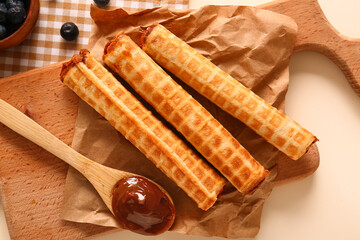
column 315, row 33
column 32, row 180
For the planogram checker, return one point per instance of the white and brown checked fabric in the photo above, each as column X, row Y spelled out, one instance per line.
column 219, row 87
column 45, row 45
column 101, row 90
column 187, row 115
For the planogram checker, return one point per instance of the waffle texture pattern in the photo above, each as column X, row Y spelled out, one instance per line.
column 229, row 94
column 187, row 115
column 101, row 90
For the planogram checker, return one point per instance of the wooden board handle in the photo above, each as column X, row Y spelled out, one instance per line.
column 315, row 33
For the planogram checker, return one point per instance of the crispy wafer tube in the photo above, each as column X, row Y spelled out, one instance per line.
column 219, row 87
column 95, row 85
column 178, row 107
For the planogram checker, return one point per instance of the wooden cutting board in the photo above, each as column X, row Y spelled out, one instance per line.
column 32, row 180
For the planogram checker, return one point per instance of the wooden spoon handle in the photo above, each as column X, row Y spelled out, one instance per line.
column 315, row 33
column 102, row 178
column 23, row 125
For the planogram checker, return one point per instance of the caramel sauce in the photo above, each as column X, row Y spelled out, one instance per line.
column 146, row 34
column 109, row 47
column 142, row 207
column 81, row 57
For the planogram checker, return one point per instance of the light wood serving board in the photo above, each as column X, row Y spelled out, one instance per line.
column 32, row 180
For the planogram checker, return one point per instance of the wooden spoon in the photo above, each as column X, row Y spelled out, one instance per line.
column 103, row 178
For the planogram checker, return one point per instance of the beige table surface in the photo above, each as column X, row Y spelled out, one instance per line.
column 325, row 205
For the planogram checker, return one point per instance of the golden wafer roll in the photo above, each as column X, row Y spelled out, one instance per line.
column 98, row 87
column 178, row 107
column 219, row 87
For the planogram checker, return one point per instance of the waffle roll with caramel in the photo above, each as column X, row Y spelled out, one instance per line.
column 179, row 108
column 100, row 89
column 220, row 88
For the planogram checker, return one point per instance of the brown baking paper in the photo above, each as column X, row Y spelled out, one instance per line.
column 251, row 44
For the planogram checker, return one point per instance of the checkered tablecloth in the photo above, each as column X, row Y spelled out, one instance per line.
column 45, row 45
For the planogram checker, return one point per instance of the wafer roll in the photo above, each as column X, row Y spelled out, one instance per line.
column 95, row 85
column 219, row 87
column 178, row 107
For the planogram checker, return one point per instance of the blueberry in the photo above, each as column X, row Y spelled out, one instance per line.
column 3, row 11
column 101, row 2
column 69, row 31
column 2, row 32
column 16, row 14
column 14, row 3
